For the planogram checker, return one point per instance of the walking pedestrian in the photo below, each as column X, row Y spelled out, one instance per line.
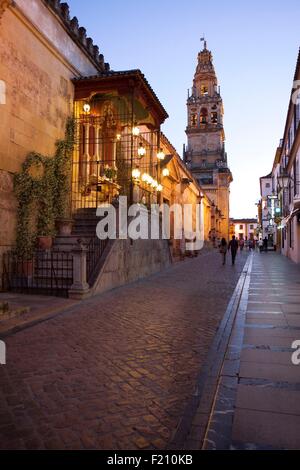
column 265, row 244
column 242, row 242
column 260, row 244
column 223, row 249
column 233, row 246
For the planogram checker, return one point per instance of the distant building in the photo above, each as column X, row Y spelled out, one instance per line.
column 268, row 204
column 243, row 228
column 205, row 153
column 279, row 208
column 286, row 175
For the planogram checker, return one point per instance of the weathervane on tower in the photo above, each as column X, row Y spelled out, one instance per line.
column 203, row 40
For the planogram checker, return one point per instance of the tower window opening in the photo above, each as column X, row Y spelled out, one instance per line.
column 203, row 116
column 194, row 120
column 204, row 90
column 214, row 117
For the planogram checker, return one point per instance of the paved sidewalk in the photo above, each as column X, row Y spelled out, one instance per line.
column 33, row 309
column 117, row 370
column 257, row 405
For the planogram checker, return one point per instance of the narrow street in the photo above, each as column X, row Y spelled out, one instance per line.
column 116, row 371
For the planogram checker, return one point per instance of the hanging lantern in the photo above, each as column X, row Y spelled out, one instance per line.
column 136, row 173
column 165, row 172
column 135, row 130
column 141, row 150
column 160, row 154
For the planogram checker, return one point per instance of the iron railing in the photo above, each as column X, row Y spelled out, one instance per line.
column 46, row 273
column 95, row 249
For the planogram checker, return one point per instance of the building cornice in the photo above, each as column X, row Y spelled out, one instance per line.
column 4, row 4
column 290, row 111
column 77, row 33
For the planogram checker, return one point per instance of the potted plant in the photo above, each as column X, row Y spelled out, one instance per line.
column 110, row 173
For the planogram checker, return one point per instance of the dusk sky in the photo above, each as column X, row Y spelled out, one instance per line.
column 255, row 46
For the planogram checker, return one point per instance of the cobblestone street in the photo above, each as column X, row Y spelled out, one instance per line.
column 115, row 371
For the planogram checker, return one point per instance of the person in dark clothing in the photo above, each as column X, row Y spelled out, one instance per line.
column 265, row 244
column 233, row 246
column 223, row 249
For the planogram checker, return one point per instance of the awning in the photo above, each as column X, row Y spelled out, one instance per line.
column 295, row 212
column 296, row 203
column 285, row 221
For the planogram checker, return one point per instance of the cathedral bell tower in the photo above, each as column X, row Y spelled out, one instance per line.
column 205, row 153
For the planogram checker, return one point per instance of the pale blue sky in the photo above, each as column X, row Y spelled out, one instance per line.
column 255, row 46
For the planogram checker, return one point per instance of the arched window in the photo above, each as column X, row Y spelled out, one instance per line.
column 203, row 116
column 204, row 90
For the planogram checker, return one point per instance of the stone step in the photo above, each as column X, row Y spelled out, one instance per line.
column 67, row 243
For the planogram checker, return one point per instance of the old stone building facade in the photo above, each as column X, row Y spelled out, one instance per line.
column 50, row 71
column 279, row 207
column 205, row 153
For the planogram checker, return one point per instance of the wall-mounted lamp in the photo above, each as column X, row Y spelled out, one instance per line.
column 141, row 150
column 283, row 179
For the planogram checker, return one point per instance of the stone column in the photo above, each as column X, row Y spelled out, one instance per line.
column 114, row 154
column 95, row 158
column 80, row 288
column 86, row 156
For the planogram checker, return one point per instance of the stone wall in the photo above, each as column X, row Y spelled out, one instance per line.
column 128, row 261
column 38, row 59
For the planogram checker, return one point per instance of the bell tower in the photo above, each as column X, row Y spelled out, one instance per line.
column 205, row 153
